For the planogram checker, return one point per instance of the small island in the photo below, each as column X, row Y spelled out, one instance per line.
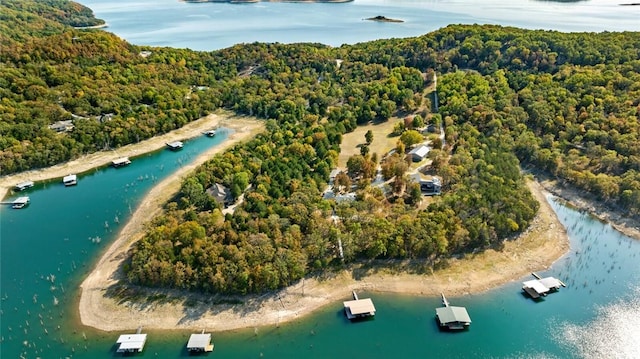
column 381, row 18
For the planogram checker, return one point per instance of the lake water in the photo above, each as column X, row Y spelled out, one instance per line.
column 210, row 26
column 48, row 248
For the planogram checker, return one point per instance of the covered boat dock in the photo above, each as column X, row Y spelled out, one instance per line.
column 199, row 343
column 23, row 185
column 175, row 146
column 359, row 308
column 131, row 343
column 70, row 180
column 20, row 202
column 540, row 287
column 454, row 318
column 121, row 162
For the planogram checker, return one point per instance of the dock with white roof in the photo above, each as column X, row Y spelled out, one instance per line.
column 540, row 287
column 200, row 343
column 131, row 343
column 359, row 308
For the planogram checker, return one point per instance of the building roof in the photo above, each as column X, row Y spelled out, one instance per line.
column 130, row 342
column 453, row 315
column 220, row 193
column 550, row 282
column 536, row 285
column 121, row 161
column 199, row 341
column 21, row 200
column 175, row 144
column 360, row 306
column 420, row 151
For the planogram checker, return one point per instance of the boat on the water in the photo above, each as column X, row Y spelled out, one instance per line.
column 70, row 180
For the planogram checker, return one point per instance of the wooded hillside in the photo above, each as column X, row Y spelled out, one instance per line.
column 566, row 104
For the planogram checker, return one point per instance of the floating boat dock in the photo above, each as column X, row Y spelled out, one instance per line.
column 23, row 185
column 452, row 318
column 121, row 162
column 20, row 202
column 540, row 287
column 70, row 180
column 359, row 308
column 210, row 133
column 175, row 145
column 200, row 343
column 131, row 343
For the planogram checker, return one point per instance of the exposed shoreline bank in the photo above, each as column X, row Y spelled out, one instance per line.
column 104, row 158
column 536, row 249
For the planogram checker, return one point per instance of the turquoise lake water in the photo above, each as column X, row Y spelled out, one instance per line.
column 48, row 248
column 210, row 26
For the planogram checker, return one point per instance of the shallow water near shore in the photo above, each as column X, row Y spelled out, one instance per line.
column 47, row 249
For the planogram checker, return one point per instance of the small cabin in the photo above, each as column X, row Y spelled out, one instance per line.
column 175, row 145
column 23, row 185
column 429, row 185
column 131, row 343
column 121, row 162
column 359, row 308
column 20, row 202
column 70, row 180
column 200, row 343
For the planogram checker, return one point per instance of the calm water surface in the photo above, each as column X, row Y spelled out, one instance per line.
column 210, row 26
column 47, row 248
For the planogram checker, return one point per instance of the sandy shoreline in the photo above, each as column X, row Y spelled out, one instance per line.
column 538, row 248
column 241, row 125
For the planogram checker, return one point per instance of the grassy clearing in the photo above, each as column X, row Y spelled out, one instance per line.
column 381, row 144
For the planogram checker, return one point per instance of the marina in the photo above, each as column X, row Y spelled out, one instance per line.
column 359, row 308
column 452, row 318
column 70, row 180
column 24, row 185
column 121, row 162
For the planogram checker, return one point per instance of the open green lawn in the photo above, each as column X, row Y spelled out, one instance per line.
column 381, row 144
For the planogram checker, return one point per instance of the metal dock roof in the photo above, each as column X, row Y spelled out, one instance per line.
column 453, row 315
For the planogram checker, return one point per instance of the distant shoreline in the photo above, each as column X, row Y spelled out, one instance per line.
column 101, row 26
column 254, row 1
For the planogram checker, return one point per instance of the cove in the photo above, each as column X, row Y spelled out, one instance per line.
column 49, row 247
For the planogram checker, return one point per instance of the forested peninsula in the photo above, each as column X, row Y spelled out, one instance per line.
column 564, row 104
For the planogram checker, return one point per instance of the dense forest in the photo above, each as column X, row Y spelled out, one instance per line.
column 567, row 104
